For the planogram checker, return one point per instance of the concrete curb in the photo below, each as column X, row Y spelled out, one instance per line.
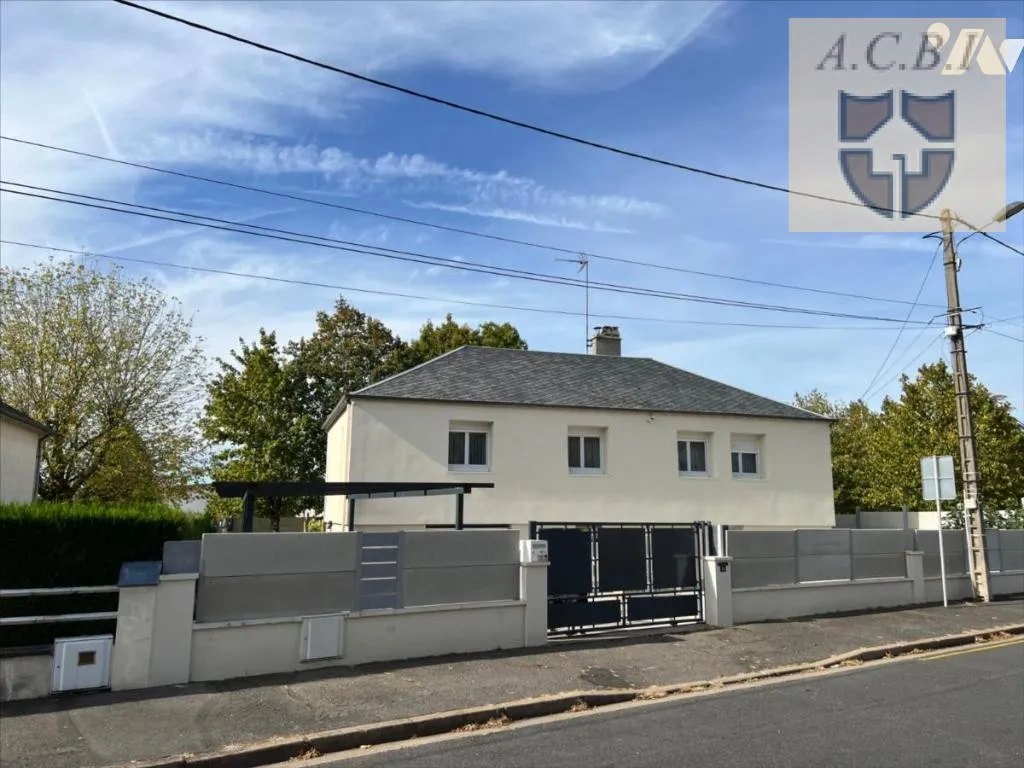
column 344, row 739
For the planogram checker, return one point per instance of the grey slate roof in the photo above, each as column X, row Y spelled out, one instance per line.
column 517, row 377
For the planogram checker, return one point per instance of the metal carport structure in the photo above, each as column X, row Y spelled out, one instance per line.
column 248, row 492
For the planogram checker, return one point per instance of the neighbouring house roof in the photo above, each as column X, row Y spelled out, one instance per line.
column 488, row 375
column 23, row 418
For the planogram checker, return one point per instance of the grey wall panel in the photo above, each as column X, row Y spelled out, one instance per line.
column 762, row 544
column 763, row 571
column 881, row 542
column 426, row 549
column 824, row 567
column 1012, row 560
column 826, row 542
column 846, row 521
column 926, row 541
column 467, row 584
column 263, row 597
column 1011, row 540
column 181, row 556
column 956, row 563
column 263, row 554
column 879, row 566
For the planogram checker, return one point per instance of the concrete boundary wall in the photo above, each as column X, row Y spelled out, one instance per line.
column 726, row 604
column 277, row 575
column 762, row 558
column 478, row 592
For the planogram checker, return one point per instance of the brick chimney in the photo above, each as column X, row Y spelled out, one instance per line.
column 606, row 341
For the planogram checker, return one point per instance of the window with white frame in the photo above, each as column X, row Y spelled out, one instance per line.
column 469, row 446
column 586, row 451
column 692, row 452
column 746, row 456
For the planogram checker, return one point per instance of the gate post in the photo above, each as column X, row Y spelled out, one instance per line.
column 533, row 590
column 718, row 591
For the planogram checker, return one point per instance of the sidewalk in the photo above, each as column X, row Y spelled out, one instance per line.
column 116, row 728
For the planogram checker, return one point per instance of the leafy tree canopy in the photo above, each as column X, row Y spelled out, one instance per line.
column 110, row 364
column 876, row 455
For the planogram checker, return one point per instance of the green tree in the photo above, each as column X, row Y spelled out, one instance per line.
column 435, row 340
column 126, row 474
column 876, row 456
column 852, row 428
column 251, row 417
column 109, row 363
column 923, row 423
column 348, row 350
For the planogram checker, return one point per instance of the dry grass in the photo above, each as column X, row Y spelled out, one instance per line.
column 993, row 637
column 308, row 754
column 579, row 706
column 650, row 694
column 494, row 722
column 849, row 663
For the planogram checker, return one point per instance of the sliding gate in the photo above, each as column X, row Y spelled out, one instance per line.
column 610, row 576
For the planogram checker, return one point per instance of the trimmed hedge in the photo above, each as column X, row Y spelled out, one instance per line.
column 77, row 545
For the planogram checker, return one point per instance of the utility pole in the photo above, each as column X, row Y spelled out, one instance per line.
column 973, row 518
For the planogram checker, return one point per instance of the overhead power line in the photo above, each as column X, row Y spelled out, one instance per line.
column 414, row 257
column 501, row 118
column 438, row 299
column 576, row 252
column 903, row 327
column 1004, row 335
column 903, row 370
column 995, row 239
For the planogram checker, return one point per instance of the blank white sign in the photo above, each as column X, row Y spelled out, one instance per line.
column 947, row 479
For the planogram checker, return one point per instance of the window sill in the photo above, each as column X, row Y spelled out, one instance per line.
column 694, row 476
column 457, row 469
column 587, row 473
column 749, row 478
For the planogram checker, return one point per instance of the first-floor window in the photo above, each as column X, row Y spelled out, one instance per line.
column 586, row 453
column 693, row 456
column 467, row 447
column 746, row 458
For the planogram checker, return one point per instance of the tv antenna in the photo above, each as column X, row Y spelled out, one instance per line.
column 584, row 266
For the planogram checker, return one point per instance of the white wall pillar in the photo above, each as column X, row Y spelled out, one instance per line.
column 718, row 591
column 171, row 658
column 153, row 641
column 915, row 572
column 533, row 588
column 133, row 638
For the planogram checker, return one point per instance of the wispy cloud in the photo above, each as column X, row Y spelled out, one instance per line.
column 344, row 171
column 528, row 218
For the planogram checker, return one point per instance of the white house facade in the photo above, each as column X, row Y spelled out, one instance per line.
column 578, row 438
column 20, row 442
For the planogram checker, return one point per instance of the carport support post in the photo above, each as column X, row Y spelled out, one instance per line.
column 351, row 526
column 459, row 509
column 248, row 508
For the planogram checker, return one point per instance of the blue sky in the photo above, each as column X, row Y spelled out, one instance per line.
column 700, row 83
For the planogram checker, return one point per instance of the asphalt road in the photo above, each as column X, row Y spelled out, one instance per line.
column 962, row 711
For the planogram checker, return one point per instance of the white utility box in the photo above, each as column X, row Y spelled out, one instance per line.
column 533, row 551
column 322, row 637
column 82, row 663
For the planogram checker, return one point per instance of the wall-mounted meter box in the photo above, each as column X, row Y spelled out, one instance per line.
column 82, row 663
column 533, row 551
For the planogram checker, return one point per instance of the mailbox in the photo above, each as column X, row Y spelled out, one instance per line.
column 533, row 551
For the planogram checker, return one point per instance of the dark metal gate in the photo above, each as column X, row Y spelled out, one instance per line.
column 609, row 576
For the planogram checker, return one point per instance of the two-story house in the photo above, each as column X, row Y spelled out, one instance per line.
column 578, row 438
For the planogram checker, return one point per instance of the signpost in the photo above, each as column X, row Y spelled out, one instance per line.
column 938, row 483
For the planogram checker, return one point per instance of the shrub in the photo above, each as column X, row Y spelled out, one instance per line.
column 76, row 545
